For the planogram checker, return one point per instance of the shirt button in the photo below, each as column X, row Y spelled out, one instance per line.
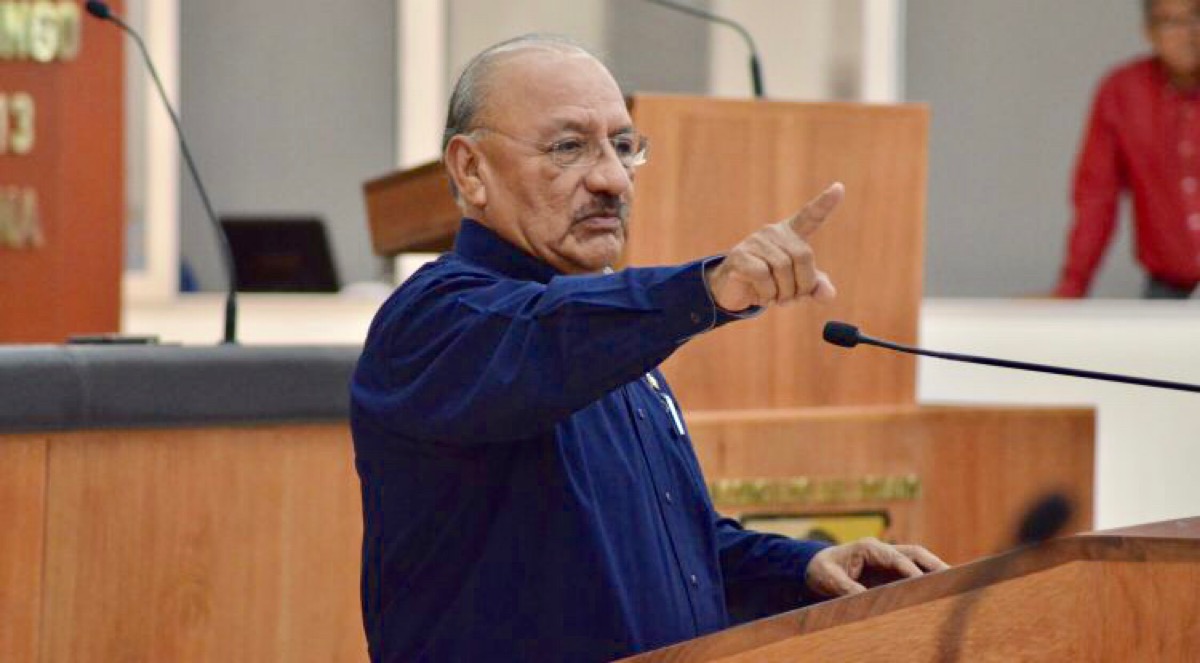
column 696, row 318
column 1189, row 185
column 667, row 495
column 694, row 580
column 1186, row 149
column 641, row 413
column 1194, row 221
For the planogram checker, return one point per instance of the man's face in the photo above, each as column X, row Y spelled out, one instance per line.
column 1174, row 32
column 540, row 101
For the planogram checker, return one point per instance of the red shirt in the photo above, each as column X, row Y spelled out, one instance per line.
column 1143, row 137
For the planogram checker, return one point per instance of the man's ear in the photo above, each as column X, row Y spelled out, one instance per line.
column 462, row 161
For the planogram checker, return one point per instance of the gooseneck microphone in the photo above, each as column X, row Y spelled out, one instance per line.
column 102, row 11
column 847, row 336
column 755, row 65
column 1043, row 520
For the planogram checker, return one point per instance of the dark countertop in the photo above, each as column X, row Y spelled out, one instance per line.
column 76, row 387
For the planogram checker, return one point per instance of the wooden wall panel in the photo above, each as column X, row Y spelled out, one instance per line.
column 721, row 169
column 22, row 511
column 222, row 544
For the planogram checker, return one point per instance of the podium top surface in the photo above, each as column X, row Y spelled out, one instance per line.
column 1175, row 541
column 1184, row 528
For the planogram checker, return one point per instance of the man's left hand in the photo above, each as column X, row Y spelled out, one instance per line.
column 841, row 570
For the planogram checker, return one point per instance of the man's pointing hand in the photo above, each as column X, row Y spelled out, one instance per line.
column 775, row 265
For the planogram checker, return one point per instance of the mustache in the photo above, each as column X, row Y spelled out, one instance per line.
column 603, row 206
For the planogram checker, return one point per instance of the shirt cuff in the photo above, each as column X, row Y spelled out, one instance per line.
column 721, row 316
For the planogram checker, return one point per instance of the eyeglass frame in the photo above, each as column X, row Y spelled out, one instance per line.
column 586, row 160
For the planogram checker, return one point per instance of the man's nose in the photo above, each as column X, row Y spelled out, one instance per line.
column 608, row 174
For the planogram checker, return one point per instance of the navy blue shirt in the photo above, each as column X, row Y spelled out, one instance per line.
column 529, row 489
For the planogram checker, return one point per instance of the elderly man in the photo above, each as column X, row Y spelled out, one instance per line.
column 1144, row 137
column 529, row 489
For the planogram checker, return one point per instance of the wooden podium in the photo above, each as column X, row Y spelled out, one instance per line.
column 796, row 435
column 1122, row 595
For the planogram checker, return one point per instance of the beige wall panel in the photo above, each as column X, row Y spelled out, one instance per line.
column 720, row 170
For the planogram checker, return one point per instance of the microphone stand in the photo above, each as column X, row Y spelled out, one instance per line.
column 1042, row 521
column 101, row 11
column 756, row 78
column 848, row 336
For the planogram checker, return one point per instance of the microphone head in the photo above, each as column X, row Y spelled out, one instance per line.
column 1045, row 519
column 841, row 334
column 98, row 9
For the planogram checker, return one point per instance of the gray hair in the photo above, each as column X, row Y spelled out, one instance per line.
column 470, row 92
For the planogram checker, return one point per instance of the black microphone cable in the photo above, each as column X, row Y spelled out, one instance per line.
column 102, row 11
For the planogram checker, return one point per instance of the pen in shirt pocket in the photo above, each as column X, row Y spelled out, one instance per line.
column 676, row 420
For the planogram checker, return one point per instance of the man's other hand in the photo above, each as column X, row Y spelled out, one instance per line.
column 845, row 569
column 775, row 265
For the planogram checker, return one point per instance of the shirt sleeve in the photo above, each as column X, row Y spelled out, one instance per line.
column 764, row 573
column 475, row 358
column 1097, row 190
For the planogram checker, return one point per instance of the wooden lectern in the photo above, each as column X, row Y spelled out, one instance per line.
column 1121, row 595
column 794, row 434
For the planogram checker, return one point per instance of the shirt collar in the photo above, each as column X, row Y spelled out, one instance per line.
column 1164, row 79
column 479, row 244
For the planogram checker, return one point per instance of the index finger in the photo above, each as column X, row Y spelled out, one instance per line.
column 810, row 217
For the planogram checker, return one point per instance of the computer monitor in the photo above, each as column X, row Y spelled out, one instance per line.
column 280, row 253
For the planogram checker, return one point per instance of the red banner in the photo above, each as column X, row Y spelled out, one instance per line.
column 61, row 171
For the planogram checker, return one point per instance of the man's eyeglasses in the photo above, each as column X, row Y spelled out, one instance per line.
column 632, row 149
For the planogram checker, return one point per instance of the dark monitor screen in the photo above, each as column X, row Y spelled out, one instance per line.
column 280, row 254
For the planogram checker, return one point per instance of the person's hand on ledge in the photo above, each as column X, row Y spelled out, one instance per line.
column 850, row 568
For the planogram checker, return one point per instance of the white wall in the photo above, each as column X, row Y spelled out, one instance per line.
column 289, row 106
column 151, row 155
column 800, row 46
column 474, row 24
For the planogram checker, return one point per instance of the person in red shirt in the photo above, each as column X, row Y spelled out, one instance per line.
column 1144, row 137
